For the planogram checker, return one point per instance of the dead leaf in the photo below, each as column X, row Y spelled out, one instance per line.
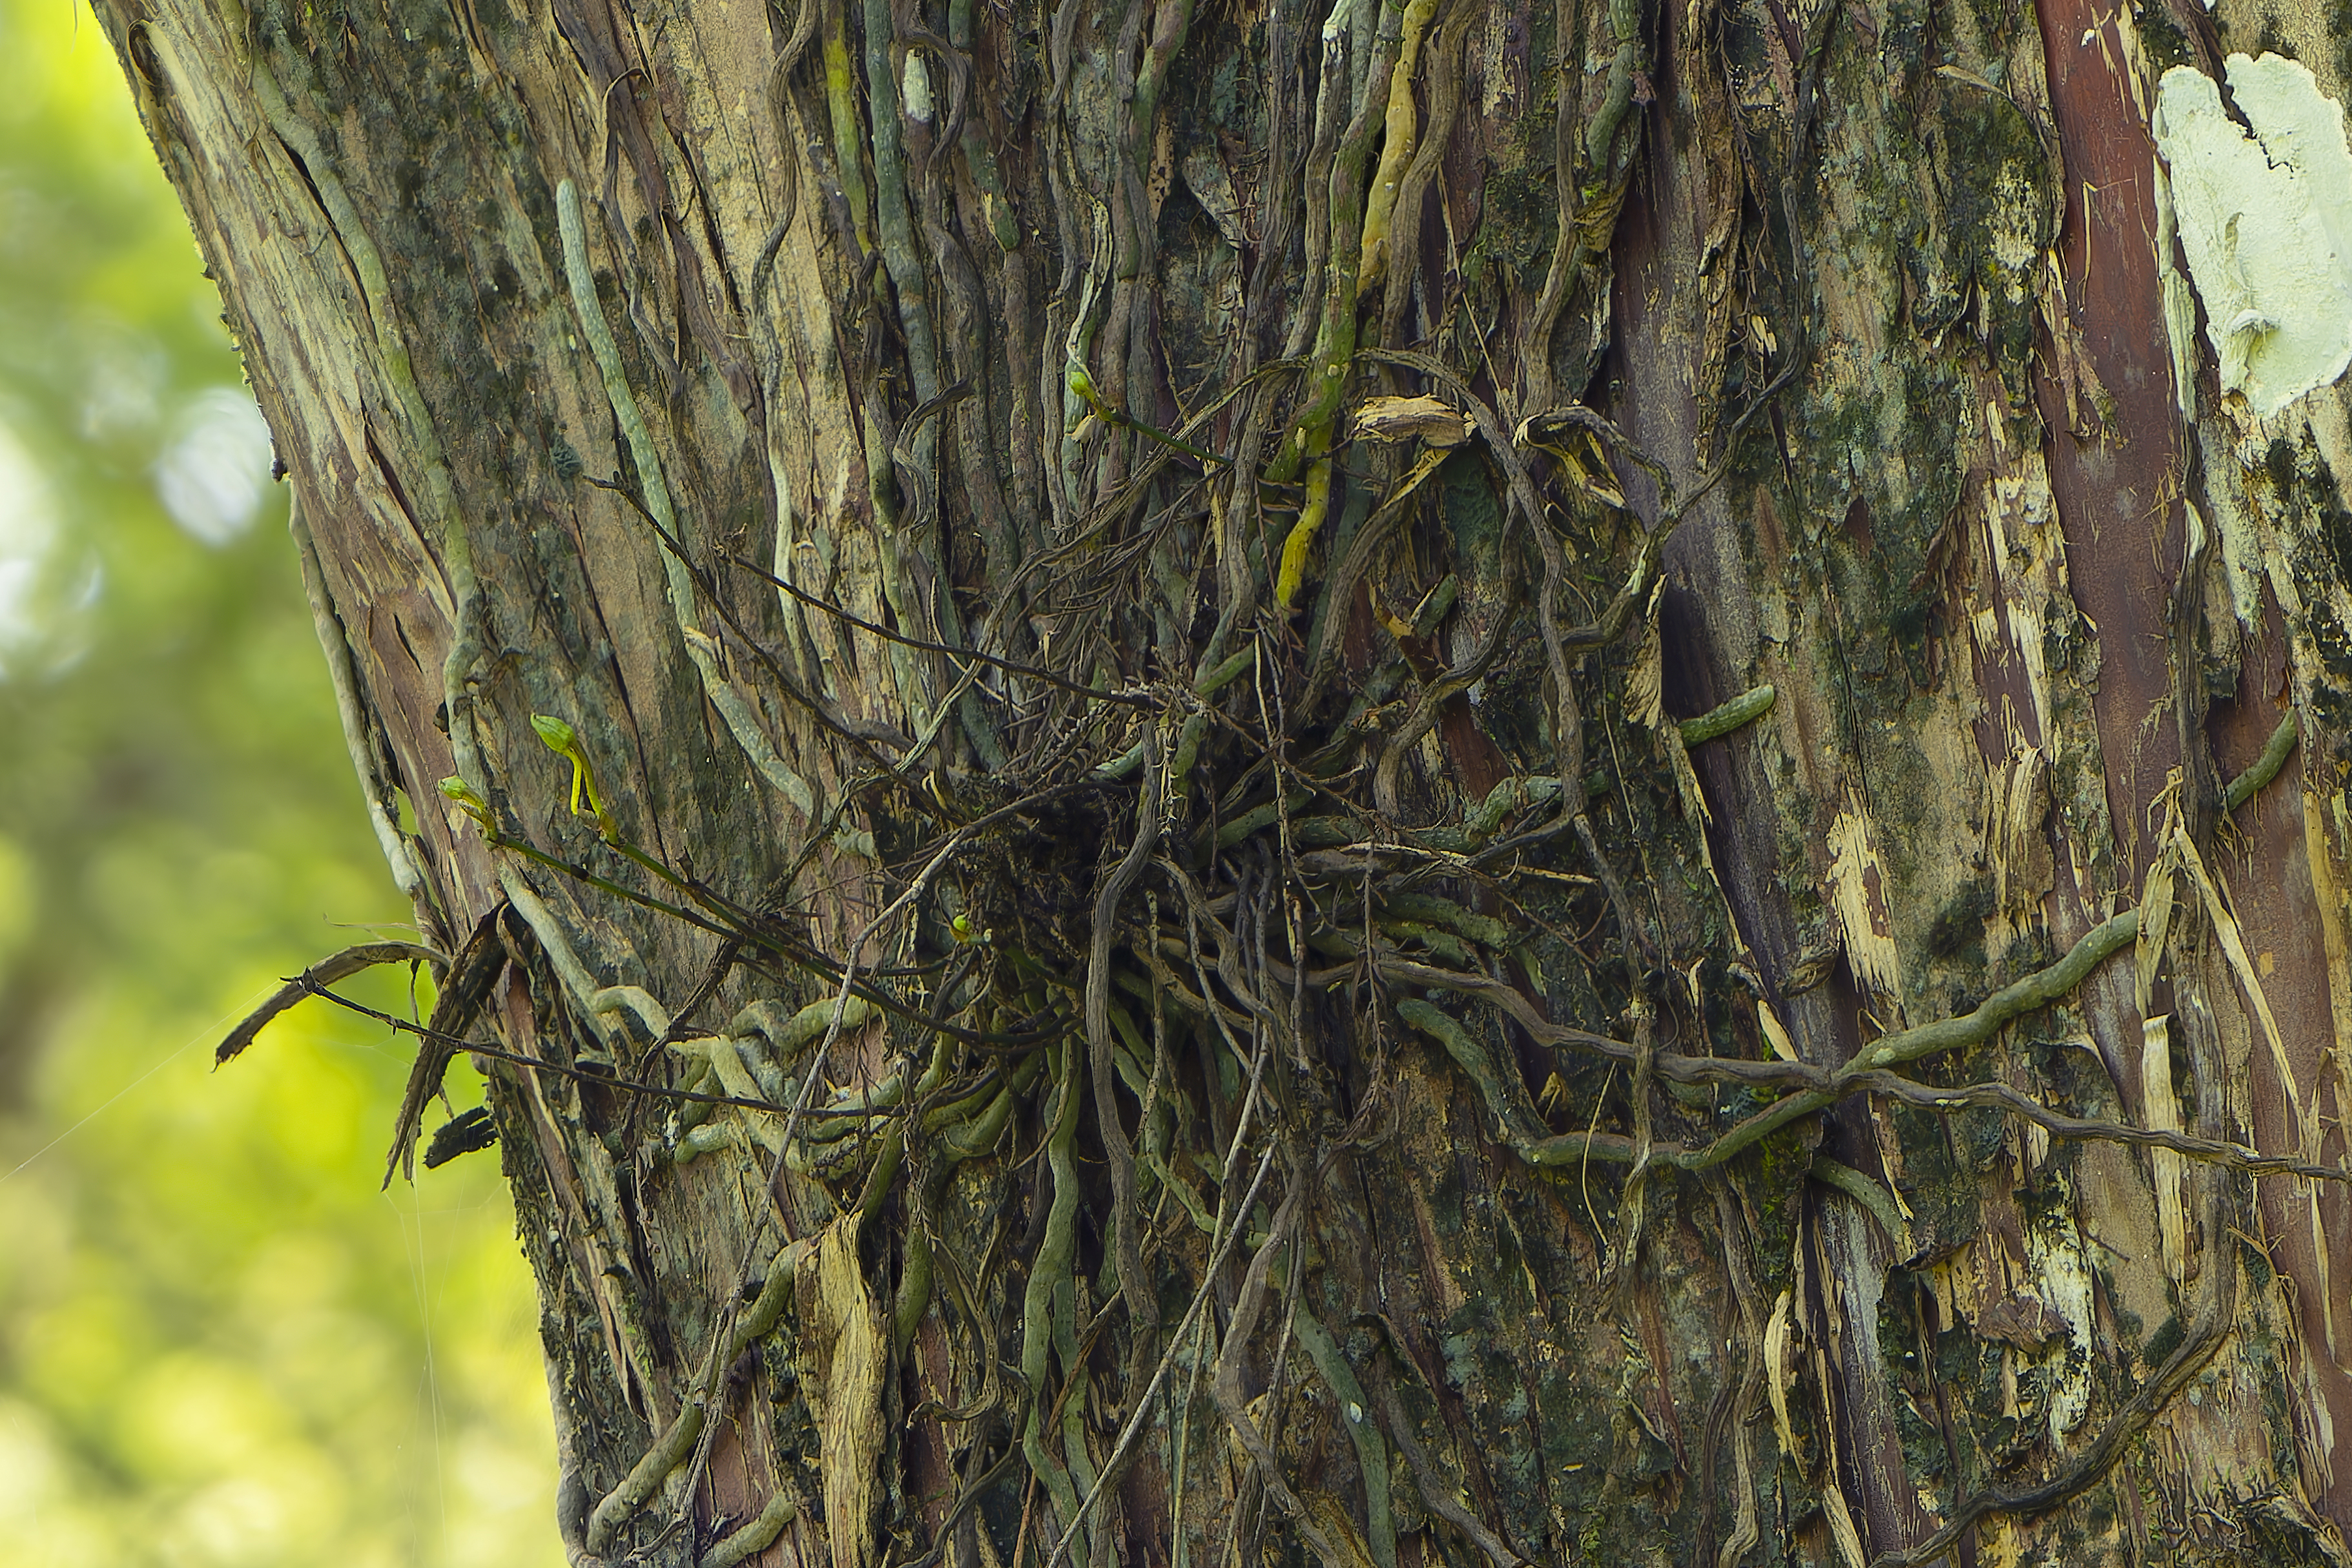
column 1841, row 1527
column 1645, row 683
column 2022, row 1319
column 1406, row 418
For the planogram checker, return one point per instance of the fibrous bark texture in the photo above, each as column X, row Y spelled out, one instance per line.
column 1390, row 780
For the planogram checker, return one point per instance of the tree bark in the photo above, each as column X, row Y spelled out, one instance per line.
column 1400, row 783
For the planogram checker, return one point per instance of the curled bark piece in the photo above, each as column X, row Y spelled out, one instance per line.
column 464, row 988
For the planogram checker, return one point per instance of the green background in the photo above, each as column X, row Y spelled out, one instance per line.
column 219, row 1341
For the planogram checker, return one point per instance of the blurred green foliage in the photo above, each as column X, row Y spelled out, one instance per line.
column 219, row 1342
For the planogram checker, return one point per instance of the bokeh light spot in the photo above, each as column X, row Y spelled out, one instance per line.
column 212, row 477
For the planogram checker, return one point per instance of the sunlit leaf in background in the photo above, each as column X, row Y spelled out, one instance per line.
column 219, row 1343
column 27, row 532
column 211, row 476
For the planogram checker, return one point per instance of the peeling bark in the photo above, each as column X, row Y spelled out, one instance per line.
column 1388, row 782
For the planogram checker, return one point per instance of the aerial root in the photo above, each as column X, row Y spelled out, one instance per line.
column 1816, row 1087
column 754, row 1535
column 676, row 1443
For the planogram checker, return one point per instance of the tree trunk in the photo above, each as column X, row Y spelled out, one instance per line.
column 1408, row 782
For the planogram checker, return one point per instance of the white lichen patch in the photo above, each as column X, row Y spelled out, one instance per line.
column 915, row 90
column 2062, row 1279
column 2014, row 226
column 2265, row 221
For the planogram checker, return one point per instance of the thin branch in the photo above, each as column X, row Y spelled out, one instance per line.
column 580, row 1075
column 1012, row 666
